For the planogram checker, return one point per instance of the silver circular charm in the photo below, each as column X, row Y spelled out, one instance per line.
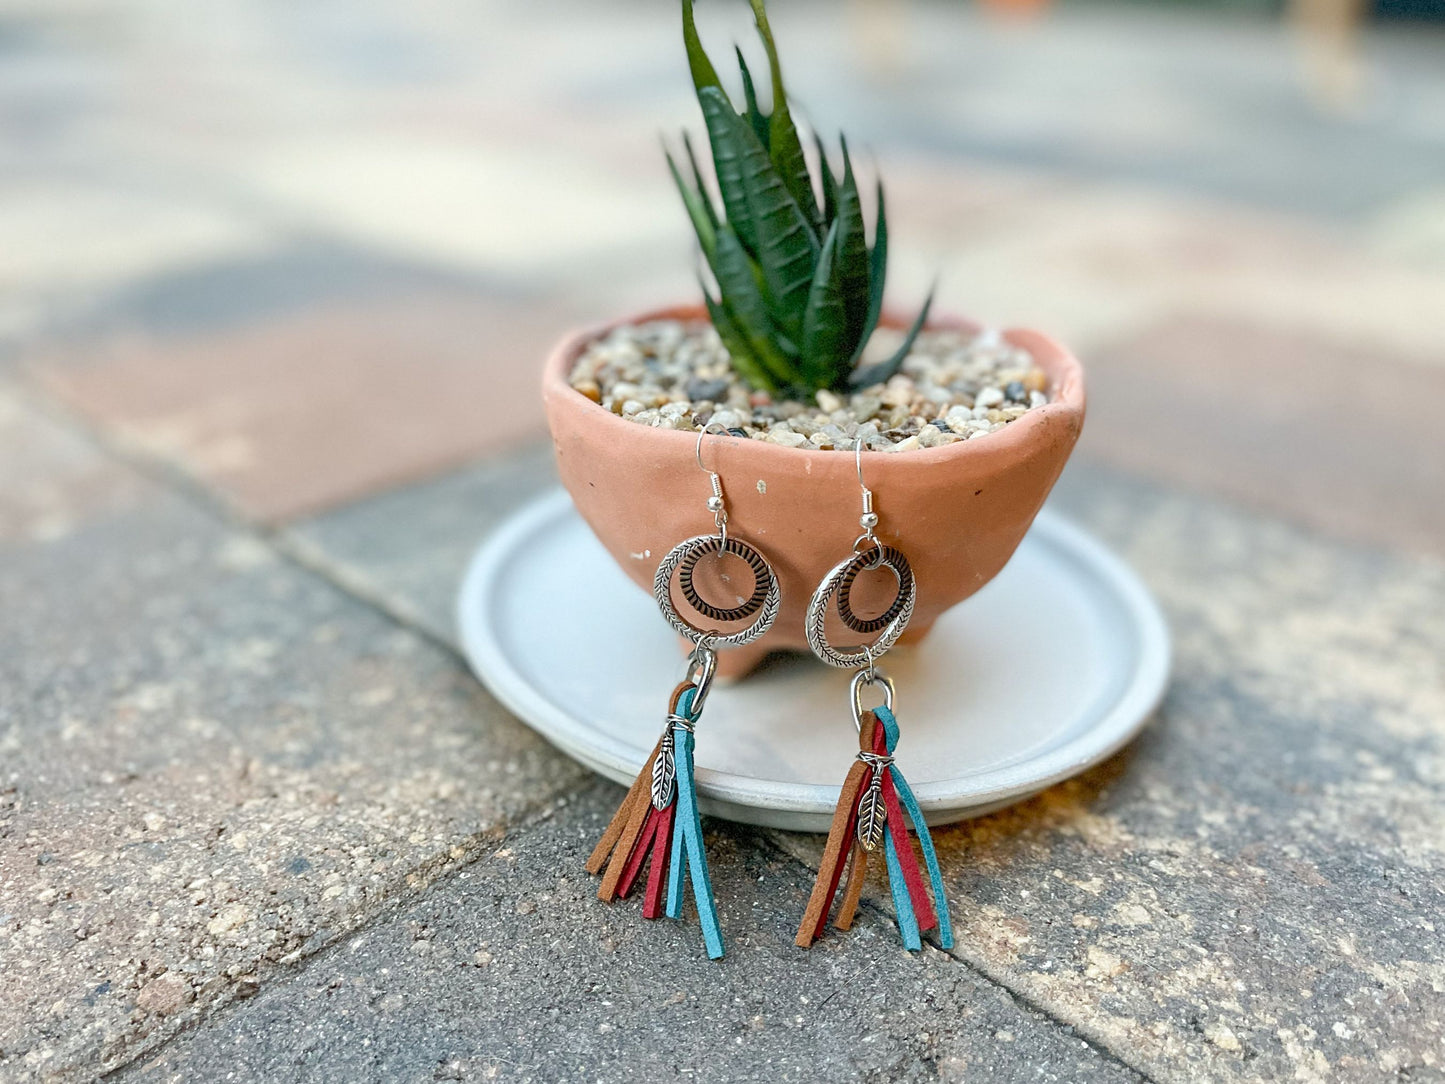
column 695, row 548
column 842, row 574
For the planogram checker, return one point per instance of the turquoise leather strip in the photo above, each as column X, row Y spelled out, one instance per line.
column 902, row 905
column 697, row 857
column 688, row 855
column 925, row 838
column 677, row 861
column 676, row 866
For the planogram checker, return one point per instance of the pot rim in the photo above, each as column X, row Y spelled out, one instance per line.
column 1066, row 404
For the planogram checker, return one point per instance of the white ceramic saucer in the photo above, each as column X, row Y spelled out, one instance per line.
column 1048, row 670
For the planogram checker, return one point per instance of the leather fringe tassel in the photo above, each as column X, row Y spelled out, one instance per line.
column 658, row 826
column 869, row 815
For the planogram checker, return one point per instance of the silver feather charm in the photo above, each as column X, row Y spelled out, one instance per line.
column 872, row 815
column 664, row 773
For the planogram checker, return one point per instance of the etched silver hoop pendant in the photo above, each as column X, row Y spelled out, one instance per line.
column 875, row 804
column 868, row 554
column 658, row 825
column 683, row 558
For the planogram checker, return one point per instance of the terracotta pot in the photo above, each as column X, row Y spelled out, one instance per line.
column 958, row 512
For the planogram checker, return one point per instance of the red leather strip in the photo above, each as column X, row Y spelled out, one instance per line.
column 903, row 844
column 654, row 900
column 639, row 853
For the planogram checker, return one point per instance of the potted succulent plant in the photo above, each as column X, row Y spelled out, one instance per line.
column 796, row 357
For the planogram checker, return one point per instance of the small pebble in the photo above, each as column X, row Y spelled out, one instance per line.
column 930, row 436
column 989, row 397
column 786, row 437
column 712, row 391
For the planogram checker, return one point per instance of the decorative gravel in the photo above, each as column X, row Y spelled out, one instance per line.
column 952, row 387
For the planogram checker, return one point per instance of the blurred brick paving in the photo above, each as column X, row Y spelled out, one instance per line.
column 264, row 271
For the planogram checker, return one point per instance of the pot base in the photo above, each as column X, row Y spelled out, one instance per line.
column 1048, row 670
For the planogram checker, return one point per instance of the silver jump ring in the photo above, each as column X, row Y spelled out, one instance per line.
column 701, row 668
column 833, row 583
column 862, row 679
column 662, row 591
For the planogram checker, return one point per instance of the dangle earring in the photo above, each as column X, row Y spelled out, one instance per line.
column 659, row 818
column 869, row 815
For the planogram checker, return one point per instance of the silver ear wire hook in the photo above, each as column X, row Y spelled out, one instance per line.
column 869, row 519
column 715, row 504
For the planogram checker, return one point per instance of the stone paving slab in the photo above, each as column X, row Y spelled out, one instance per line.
column 407, row 550
column 1254, row 891
column 1097, row 265
column 52, row 478
column 308, row 410
column 1338, row 436
column 513, row 970
column 212, row 764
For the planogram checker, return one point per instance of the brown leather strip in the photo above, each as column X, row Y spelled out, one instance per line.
column 857, row 874
column 626, row 825
column 850, row 833
column 867, row 736
column 870, row 733
column 816, row 914
column 609, row 840
column 638, row 805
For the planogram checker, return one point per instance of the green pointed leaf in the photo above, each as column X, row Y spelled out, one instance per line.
column 766, row 218
column 742, row 295
column 756, row 117
column 703, row 73
column 830, row 184
column 698, row 182
column 876, row 374
column 727, row 161
column 737, row 345
column 877, row 274
column 826, row 344
column 699, row 210
column 784, row 146
column 854, row 271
